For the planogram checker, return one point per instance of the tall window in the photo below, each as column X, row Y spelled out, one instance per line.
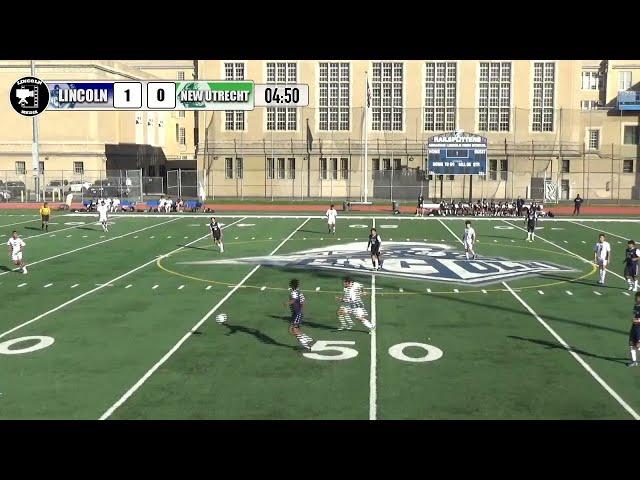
column 182, row 139
column 21, row 168
column 504, row 168
column 631, row 135
column 78, row 167
column 624, row 80
column 386, row 164
column 323, row 168
column 281, row 118
column 344, row 168
column 397, row 164
column 440, row 96
column 239, row 167
column 292, row 168
column 234, row 120
column 228, row 170
column 594, row 139
column 41, row 167
column 493, row 169
column 334, row 168
column 375, row 164
column 270, row 168
column 565, row 166
column 387, row 83
column 590, row 80
column 494, row 100
column 627, row 166
column 281, row 171
column 544, row 74
column 334, row 96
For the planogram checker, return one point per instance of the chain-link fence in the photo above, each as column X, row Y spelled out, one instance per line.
column 593, row 153
column 55, row 185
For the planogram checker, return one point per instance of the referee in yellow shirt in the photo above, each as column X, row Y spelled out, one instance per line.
column 45, row 214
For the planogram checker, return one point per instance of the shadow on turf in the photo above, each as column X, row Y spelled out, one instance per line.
column 32, row 228
column 5, row 269
column 214, row 249
column 261, row 337
column 311, row 324
column 548, row 344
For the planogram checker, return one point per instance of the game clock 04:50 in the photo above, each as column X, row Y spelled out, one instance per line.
column 284, row 95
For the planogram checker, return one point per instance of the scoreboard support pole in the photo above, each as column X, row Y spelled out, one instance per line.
column 35, row 151
column 470, row 188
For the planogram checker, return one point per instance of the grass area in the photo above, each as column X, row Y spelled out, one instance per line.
column 131, row 316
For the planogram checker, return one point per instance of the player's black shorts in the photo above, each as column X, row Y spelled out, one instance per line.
column 216, row 236
column 531, row 227
column 296, row 319
column 375, row 251
column 634, row 334
column 631, row 270
column 45, row 218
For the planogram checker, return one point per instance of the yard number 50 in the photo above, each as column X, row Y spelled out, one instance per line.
column 321, row 347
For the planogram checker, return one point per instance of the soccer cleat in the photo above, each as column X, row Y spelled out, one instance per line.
column 24, row 270
column 630, row 287
column 632, row 364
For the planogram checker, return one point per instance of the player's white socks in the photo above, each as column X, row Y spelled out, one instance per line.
column 633, row 354
column 466, row 254
column 221, row 247
column 603, row 272
column 635, row 286
column 24, row 269
column 367, row 324
column 304, row 339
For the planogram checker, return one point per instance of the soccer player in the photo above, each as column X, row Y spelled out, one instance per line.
column 16, row 247
column 352, row 304
column 631, row 265
column 331, row 219
column 296, row 305
column 45, row 214
column 469, row 240
column 216, row 234
column 115, row 205
column 419, row 209
column 103, row 210
column 531, row 220
column 374, row 243
column 602, row 256
column 634, row 333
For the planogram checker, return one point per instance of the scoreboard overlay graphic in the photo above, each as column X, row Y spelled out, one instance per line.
column 457, row 153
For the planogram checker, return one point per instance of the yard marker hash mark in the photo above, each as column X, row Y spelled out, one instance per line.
column 208, row 287
column 317, row 289
column 47, row 285
column 154, row 287
column 128, row 286
column 21, row 285
column 263, row 288
column 597, row 293
column 568, row 292
column 625, row 293
column 180, row 287
column 75, row 285
column 540, row 292
column 166, row 357
column 577, row 357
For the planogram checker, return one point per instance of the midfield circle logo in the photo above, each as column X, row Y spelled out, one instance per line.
column 422, row 261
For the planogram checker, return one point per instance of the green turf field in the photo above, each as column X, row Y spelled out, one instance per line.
column 124, row 321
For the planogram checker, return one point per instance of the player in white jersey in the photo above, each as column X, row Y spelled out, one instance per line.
column 161, row 204
column 469, row 240
column 103, row 210
column 116, row 205
column 352, row 304
column 602, row 256
column 331, row 219
column 16, row 247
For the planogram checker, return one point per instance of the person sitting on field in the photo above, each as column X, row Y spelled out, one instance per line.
column 179, row 205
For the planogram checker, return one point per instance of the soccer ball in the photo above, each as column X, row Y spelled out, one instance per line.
column 221, row 317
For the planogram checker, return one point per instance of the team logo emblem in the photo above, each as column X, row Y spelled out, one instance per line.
column 417, row 260
column 29, row 96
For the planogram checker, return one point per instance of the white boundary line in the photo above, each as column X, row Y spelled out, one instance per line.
column 408, row 218
column 19, row 223
column 105, row 284
column 186, row 336
column 373, row 373
column 565, row 250
column 90, row 245
column 599, row 230
column 577, row 357
column 560, row 340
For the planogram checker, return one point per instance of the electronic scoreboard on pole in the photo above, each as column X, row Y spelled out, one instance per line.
column 31, row 96
column 457, row 153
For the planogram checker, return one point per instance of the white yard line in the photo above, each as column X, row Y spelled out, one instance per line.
column 577, row 357
column 598, row 230
column 29, row 264
column 186, row 336
column 19, row 223
column 93, row 290
column 373, row 372
column 590, row 262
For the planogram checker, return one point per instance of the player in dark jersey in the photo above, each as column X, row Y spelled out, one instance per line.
column 531, row 220
column 374, row 243
column 631, row 255
column 216, row 234
column 634, row 333
column 296, row 305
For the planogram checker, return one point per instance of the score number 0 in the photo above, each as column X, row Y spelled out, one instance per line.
column 161, row 95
